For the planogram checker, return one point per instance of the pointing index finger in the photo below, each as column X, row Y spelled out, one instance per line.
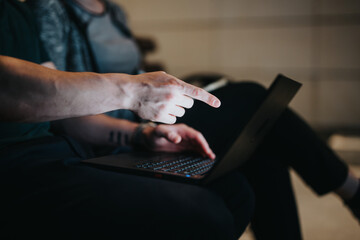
column 200, row 94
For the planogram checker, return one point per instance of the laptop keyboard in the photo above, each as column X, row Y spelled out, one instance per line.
column 187, row 165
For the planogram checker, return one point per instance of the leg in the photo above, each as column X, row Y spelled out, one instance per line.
column 48, row 197
column 291, row 141
column 276, row 214
column 267, row 175
column 297, row 145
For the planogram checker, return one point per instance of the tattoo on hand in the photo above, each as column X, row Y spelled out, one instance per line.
column 111, row 136
column 119, row 138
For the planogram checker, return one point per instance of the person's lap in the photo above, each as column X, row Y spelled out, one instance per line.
column 68, row 191
column 46, row 191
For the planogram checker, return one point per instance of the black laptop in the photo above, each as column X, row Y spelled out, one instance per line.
column 199, row 170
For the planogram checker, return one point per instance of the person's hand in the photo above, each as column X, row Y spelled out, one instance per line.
column 161, row 97
column 176, row 138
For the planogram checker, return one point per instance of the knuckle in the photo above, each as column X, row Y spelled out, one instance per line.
column 159, row 73
column 175, row 85
column 172, row 81
column 196, row 92
column 198, row 135
column 169, row 96
column 157, row 116
column 162, row 107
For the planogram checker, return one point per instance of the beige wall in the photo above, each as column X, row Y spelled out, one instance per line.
column 316, row 42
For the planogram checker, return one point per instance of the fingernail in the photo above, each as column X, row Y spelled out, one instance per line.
column 174, row 137
column 216, row 103
column 212, row 155
column 177, row 139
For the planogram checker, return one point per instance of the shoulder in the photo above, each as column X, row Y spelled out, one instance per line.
column 51, row 16
column 44, row 4
column 47, row 8
column 117, row 10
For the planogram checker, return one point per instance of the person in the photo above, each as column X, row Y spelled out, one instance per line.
column 99, row 35
column 48, row 194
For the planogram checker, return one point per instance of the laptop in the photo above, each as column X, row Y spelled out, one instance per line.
column 191, row 168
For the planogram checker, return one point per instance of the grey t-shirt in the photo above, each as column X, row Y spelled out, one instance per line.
column 113, row 51
column 64, row 34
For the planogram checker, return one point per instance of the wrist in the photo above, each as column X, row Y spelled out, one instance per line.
column 139, row 134
column 124, row 86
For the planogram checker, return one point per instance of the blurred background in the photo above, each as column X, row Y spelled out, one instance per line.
column 316, row 42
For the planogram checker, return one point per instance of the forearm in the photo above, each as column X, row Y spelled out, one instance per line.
column 32, row 93
column 100, row 130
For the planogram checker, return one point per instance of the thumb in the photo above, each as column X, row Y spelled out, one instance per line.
column 174, row 137
column 171, row 136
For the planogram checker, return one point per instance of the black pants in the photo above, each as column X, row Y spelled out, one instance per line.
column 291, row 143
column 46, row 194
column 44, row 189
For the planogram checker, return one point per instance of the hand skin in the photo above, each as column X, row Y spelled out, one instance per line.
column 104, row 130
column 32, row 93
column 162, row 97
column 107, row 131
column 176, row 138
column 100, row 130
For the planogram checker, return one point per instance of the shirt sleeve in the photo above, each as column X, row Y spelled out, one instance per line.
column 53, row 24
column 44, row 57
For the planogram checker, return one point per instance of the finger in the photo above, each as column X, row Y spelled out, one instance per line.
column 204, row 146
column 200, row 94
column 169, row 134
column 184, row 101
column 176, row 111
column 200, row 144
column 174, row 137
column 167, row 118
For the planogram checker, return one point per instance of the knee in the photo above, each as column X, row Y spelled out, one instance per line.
column 239, row 198
column 246, row 206
column 210, row 217
column 226, row 210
